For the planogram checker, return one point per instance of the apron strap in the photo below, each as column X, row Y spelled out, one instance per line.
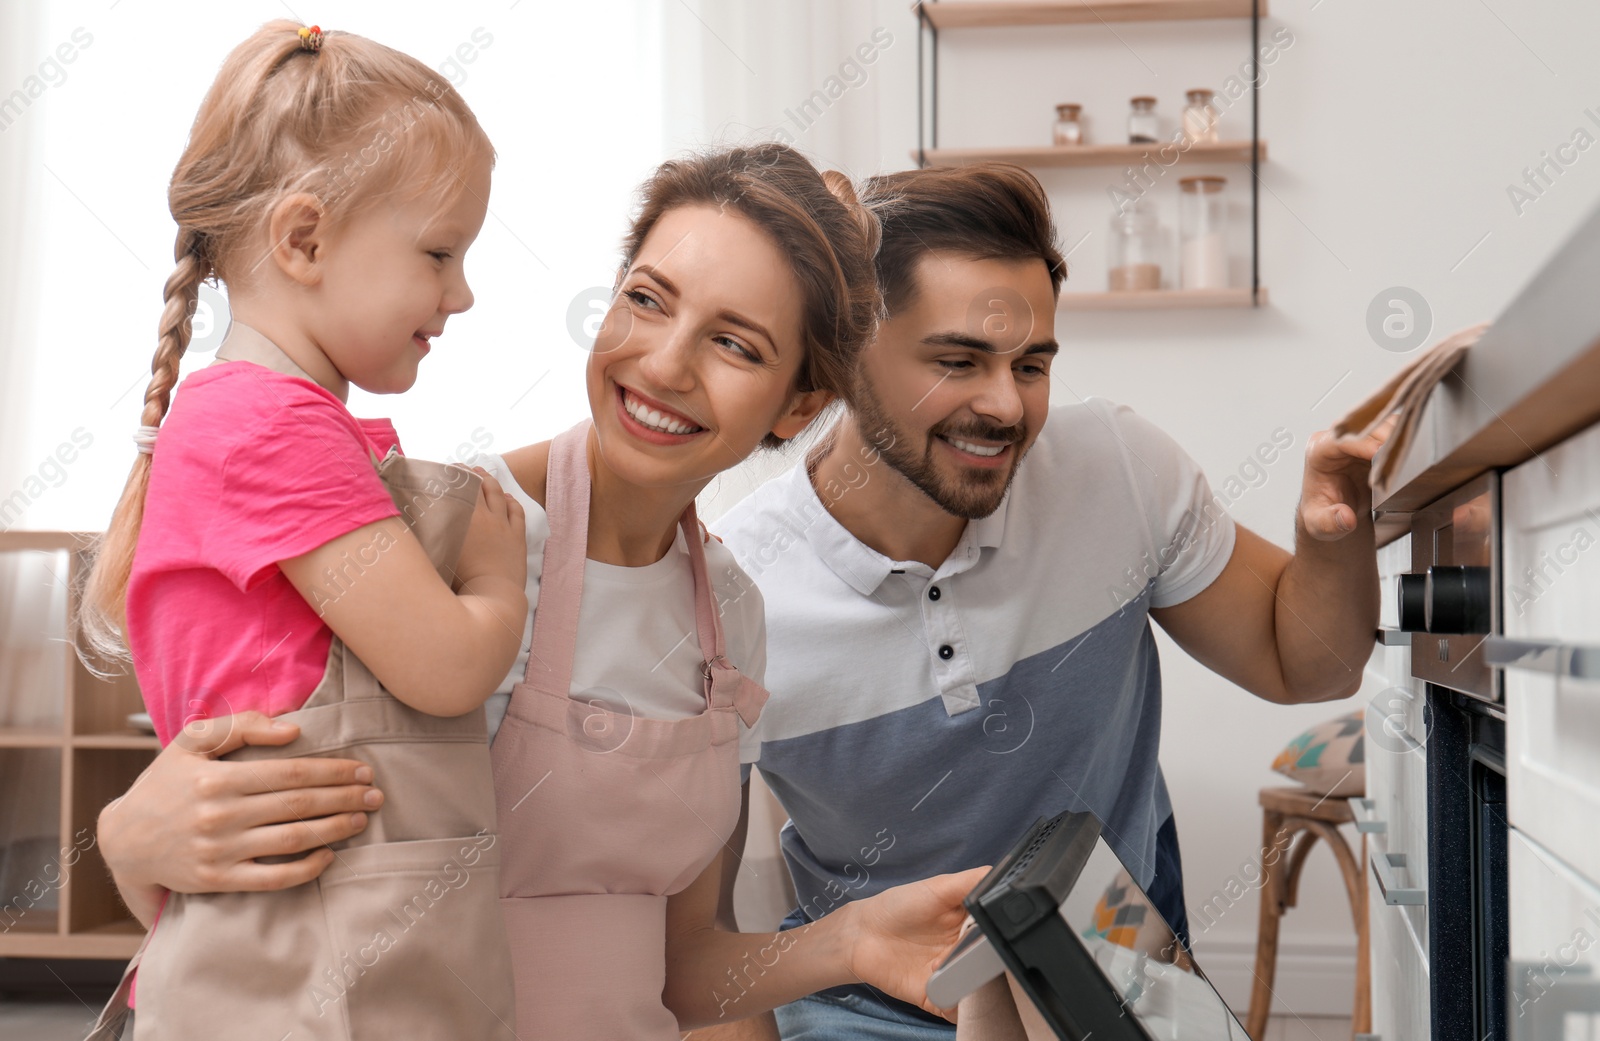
column 245, row 344
column 555, row 618
column 725, row 684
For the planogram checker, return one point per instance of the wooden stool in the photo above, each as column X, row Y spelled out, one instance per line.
column 1292, row 820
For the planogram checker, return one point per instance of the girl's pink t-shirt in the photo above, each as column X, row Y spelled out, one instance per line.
column 251, row 467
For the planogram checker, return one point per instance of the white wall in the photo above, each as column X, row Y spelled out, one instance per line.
column 1394, row 131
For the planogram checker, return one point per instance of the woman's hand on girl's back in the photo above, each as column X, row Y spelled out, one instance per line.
column 902, row 934
column 193, row 824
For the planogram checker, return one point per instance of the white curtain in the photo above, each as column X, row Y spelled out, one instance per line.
column 31, row 671
column 828, row 76
column 21, row 50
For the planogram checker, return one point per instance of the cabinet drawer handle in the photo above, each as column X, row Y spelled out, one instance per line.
column 1366, row 815
column 1384, row 866
column 1393, row 637
column 1560, row 659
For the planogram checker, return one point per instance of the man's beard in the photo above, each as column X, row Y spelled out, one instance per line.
column 975, row 495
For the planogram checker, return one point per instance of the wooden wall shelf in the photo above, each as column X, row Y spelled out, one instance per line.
column 936, row 16
column 69, row 909
column 30, row 737
column 1043, row 156
column 966, row 14
column 1161, row 300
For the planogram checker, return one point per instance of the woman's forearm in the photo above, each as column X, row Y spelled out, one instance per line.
column 141, row 897
column 714, row 976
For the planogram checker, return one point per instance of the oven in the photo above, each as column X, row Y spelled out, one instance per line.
column 1450, row 605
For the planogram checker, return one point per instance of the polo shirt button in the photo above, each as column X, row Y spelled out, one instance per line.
column 946, row 651
column 933, row 593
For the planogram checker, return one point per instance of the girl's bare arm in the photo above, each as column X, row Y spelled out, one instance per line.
column 439, row 650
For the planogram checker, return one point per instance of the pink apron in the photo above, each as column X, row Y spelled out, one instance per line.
column 604, row 815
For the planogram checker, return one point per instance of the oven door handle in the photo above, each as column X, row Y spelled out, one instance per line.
column 1384, row 866
column 1561, row 659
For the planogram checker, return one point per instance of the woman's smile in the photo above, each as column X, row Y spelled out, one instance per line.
column 650, row 420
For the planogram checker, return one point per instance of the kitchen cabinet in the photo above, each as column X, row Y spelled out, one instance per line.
column 1551, row 523
column 1555, row 946
column 1394, row 819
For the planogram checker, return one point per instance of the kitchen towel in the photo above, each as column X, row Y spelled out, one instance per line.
column 1405, row 394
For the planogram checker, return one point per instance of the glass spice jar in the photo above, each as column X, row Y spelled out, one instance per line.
column 1200, row 116
column 1144, row 126
column 1134, row 260
column 1203, row 229
column 1068, row 129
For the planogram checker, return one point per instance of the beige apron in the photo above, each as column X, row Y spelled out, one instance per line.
column 402, row 936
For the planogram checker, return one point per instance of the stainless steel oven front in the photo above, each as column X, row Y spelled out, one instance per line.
column 1450, row 603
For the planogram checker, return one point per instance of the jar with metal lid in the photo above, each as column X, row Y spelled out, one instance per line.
column 1203, row 231
column 1200, row 116
column 1134, row 254
column 1068, row 128
column 1144, row 126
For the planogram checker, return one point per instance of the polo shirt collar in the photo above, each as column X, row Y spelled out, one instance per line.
column 863, row 568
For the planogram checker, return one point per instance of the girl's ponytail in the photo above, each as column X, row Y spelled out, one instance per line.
column 102, row 614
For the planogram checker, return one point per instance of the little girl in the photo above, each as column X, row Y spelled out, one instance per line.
column 269, row 544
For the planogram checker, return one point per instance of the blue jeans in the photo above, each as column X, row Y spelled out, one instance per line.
column 856, row 1016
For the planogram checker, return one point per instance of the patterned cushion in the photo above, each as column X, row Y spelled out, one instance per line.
column 1124, row 917
column 1330, row 758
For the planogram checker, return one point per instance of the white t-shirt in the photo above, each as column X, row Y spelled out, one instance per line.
column 637, row 647
column 1018, row 678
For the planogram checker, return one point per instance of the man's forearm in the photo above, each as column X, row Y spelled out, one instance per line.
column 1327, row 610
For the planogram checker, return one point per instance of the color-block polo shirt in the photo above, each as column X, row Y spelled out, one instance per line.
column 921, row 718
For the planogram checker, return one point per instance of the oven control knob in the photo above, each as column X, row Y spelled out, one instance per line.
column 1411, row 593
column 1457, row 599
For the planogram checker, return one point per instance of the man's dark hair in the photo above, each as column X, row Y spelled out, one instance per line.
column 986, row 211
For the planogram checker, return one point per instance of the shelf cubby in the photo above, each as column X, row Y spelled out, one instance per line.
column 66, row 750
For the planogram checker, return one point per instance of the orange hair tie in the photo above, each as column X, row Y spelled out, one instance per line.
column 311, row 37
